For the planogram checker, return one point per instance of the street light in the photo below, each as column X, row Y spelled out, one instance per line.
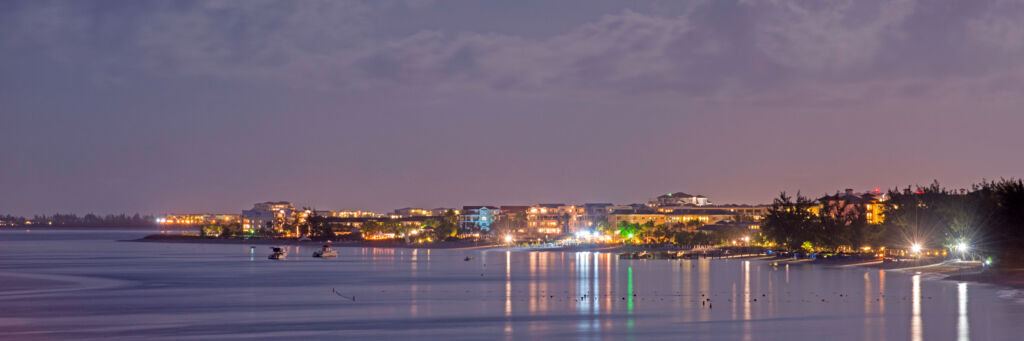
column 916, row 248
column 508, row 238
column 962, row 247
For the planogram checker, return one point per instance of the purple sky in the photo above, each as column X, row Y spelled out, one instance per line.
column 125, row 106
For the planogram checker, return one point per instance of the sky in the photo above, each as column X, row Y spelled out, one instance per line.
column 211, row 106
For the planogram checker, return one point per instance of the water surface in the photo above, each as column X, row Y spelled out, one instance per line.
column 80, row 285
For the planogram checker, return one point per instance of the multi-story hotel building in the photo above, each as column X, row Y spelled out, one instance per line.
column 478, row 218
column 680, row 198
column 267, row 215
column 198, row 219
column 854, row 203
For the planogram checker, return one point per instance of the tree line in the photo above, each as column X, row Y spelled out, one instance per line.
column 678, row 233
column 989, row 217
column 88, row 220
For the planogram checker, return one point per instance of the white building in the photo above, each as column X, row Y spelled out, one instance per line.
column 478, row 218
column 680, row 198
column 266, row 214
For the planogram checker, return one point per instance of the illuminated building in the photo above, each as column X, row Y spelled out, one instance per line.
column 478, row 218
column 701, row 216
column 854, row 203
column 197, row 219
column 267, row 215
column 413, row 212
column 741, row 212
column 592, row 214
column 549, row 220
column 690, row 218
column 637, row 216
column 680, row 198
column 348, row 225
column 355, row 214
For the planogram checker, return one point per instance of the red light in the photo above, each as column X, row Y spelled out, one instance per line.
column 876, row 190
column 920, row 192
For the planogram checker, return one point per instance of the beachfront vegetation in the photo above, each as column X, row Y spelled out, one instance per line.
column 680, row 234
column 989, row 217
column 986, row 219
column 221, row 230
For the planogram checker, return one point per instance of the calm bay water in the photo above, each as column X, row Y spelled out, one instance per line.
column 80, row 285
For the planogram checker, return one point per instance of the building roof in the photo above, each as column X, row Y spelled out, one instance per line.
column 637, row 212
column 551, row 205
column 513, row 208
column 691, row 211
column 467, row 208
column 676, row 194
column 365, row 219
column 737, row 205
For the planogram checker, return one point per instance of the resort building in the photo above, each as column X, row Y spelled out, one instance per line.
column 270, row 215
column 592, row 214
column 854, row 203
column 700, row 217
column 550, row 220
column 413, row 212
column 197, row 219
column 639, row 216
column 680, row 198
column 478, row 218
column 689, row 218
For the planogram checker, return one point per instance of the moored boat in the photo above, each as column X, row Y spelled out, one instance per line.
column 278, row 253
column 325, row 252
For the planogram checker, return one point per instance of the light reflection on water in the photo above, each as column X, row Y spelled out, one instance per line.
column 52, row 290
column 962, row 329
column 916, row 331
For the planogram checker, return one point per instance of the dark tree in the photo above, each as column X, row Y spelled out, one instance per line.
column 790, row 223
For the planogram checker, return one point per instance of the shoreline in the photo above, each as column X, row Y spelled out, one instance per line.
column 156, row 238
column 944, row 270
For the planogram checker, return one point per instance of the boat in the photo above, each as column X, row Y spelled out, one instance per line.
column 278, row 253
column 325, row 252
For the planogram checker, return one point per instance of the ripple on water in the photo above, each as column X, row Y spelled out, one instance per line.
column 26, row 285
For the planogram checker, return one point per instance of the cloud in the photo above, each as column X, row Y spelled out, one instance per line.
column 827, row 36
column 715, row 50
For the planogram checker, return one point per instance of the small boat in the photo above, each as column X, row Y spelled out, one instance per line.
column 468, row 259
column 278, row 253
column 325, row 252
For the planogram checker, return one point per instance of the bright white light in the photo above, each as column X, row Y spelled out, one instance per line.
column 962, row 247
column 508, row 238
column 916, row 248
